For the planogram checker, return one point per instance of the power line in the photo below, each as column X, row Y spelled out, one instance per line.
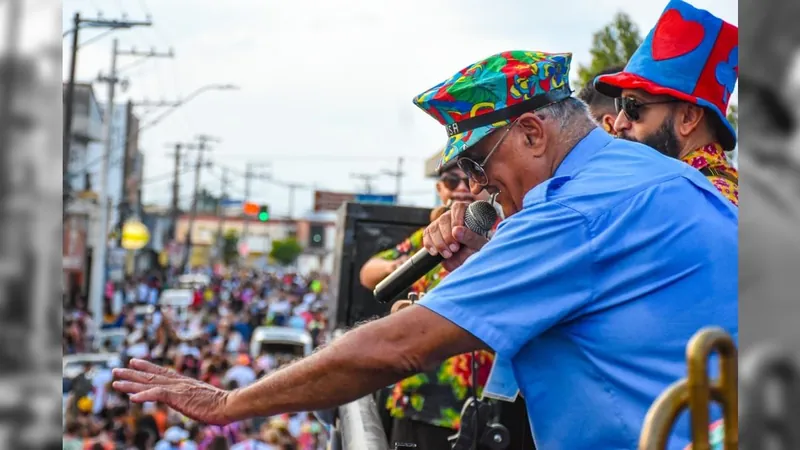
column 163, row 177
column 96, row 38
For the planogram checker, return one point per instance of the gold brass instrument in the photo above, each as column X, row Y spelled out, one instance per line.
column 762, row 368
column 695, row 393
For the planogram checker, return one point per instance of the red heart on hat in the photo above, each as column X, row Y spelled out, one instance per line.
column 675, row 36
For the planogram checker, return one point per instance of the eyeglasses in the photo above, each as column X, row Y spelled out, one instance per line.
column 476, row 171
column 633, row 107
column 451, row 181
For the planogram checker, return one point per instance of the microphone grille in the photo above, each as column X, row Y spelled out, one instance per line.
column 480, row 217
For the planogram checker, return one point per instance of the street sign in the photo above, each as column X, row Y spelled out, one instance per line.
column 383, row 199
column 330, row 201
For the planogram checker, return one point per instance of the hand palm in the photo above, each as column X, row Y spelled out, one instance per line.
column 146, row 382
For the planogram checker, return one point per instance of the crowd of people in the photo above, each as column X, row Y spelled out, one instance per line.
column 210, row 340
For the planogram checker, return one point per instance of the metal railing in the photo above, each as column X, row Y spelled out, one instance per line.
column 695, row 393
column 360, row 426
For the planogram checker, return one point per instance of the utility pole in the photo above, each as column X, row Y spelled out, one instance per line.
column 223, row 195
column 292, row 187
column 100, row 251
column 367, row 179
column 398, row 177
column 202, row 147
column 69, row 95
column 124, row 207
column 176, row 185
column 130, row 133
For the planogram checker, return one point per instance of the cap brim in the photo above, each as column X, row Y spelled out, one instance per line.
column 612, row 85
column 459, row 143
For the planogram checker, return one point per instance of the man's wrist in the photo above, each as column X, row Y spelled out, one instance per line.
column 234, row 406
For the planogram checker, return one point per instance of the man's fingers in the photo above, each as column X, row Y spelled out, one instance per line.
column 432, row 238
column 469, row 238
column 140, row 377
column 446, row 232
column 146, row 366
column 458, row 210
column 158, row 394
column 129, row 387
column 439, row 246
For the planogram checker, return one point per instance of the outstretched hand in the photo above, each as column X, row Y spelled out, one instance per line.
column 449, row 237
column 147, row 382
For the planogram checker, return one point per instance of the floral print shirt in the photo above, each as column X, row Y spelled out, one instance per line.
column 434, row 397
column 711, row 162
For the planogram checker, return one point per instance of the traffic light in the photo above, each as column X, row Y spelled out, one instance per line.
column 263, row 213
column 316, row 238
column 250, row 208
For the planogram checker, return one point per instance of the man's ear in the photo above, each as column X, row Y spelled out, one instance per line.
column 607, row 122
column 534, row 131
column 688, row 118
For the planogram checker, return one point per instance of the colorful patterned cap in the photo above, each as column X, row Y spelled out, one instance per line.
column 690, row 55
column 491, row 93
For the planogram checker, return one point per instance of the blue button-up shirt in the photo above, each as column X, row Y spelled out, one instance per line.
column 595, row 287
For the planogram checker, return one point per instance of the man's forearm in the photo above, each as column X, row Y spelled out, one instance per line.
column 342, row 372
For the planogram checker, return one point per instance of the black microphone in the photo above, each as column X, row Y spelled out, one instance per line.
column 480, row 217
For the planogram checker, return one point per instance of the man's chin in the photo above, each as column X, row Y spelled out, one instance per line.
column 508, row 209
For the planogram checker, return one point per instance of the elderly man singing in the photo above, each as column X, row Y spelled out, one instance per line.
column 601, row 272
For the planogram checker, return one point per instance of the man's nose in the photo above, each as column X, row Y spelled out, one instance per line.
column 622, row 123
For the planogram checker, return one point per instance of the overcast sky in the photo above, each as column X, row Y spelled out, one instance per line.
column 326, row 85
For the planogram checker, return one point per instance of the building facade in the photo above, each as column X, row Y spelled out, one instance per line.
column 315, row 236
column 82, row 212
column 123, row 187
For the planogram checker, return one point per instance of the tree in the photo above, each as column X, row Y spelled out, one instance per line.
column 230, row 247
column 613, row 45
column 286, row 251
column 733, row 115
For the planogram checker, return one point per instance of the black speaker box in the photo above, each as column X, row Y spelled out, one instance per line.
column 362, row 230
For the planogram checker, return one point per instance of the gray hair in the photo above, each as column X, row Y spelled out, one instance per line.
column 572, row 116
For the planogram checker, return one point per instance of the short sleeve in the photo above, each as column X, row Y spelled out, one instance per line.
column 405, row 248
column 535, row 273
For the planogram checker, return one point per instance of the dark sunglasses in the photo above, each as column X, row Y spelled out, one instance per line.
column 451, row 181
column 633, row 107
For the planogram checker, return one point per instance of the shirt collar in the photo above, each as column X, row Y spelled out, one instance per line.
column 582, row 151
column 708, row 155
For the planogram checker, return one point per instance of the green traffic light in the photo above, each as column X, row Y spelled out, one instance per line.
column 262, row 216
